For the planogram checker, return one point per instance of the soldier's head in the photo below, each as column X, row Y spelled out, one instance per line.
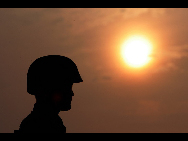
column 50, row 78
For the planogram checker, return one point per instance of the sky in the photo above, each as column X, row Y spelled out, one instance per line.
column 113, row 98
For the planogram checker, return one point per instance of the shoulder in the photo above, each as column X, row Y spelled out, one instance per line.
column 35, row 123
column 28, row 124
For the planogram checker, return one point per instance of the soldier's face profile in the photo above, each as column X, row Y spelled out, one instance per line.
column 62, row 97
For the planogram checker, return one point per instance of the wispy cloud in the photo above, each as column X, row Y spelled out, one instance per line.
column 81, row 19
column 167, row 59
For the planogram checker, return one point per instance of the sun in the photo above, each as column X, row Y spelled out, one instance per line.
column 136, row 51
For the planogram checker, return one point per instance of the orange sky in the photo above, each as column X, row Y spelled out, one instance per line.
column 113, row 97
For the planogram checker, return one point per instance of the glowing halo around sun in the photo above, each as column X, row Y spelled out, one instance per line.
column 136, row 51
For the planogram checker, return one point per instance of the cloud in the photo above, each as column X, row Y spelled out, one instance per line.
column 81, row 19
column 69, row 23
column 169, row 59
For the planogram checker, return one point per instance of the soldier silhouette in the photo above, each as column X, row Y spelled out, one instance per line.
column 50, row 79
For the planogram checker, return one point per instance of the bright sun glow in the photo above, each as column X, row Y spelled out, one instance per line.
column 136, row 51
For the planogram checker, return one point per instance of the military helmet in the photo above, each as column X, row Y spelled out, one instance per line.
column 51, row 72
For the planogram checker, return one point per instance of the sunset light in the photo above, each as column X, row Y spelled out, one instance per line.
column 133, row 63
column 136, row 51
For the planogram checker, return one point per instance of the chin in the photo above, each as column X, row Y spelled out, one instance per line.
column 65, row 107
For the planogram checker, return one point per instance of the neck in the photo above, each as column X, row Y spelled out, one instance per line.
column 46, row 107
